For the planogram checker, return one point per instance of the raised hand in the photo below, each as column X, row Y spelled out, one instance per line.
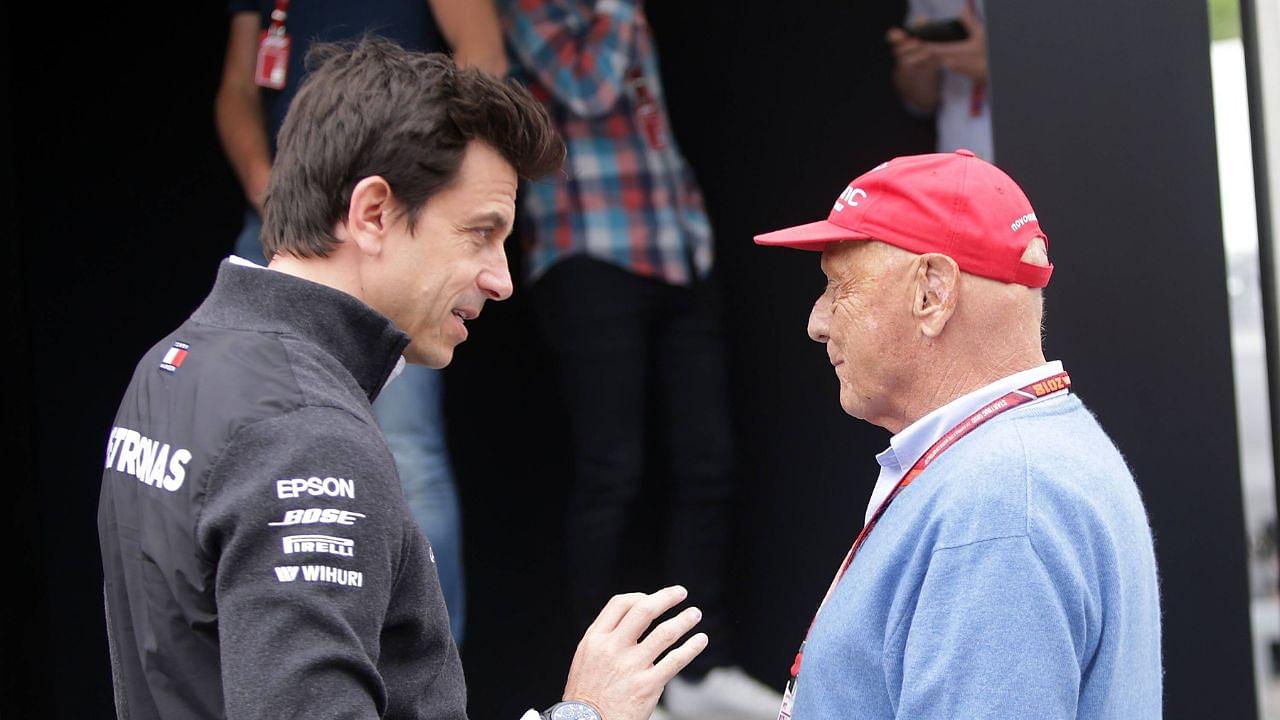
column 615, row 670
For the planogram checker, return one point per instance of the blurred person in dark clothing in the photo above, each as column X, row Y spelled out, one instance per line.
column 619, row 254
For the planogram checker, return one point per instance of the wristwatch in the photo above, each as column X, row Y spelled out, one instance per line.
column 571, row 710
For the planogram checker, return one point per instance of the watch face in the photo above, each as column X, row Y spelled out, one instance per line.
column 574, row 711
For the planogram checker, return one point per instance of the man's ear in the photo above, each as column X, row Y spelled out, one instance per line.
column 935, row 291
column 369, row 216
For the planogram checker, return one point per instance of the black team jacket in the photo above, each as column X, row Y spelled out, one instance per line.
column 260, row 559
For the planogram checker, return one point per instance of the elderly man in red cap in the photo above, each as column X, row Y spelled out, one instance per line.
column 1005, row 568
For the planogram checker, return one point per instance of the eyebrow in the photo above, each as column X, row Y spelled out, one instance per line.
column 492, row 217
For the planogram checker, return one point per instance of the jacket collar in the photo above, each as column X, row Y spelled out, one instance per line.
column 251, row 297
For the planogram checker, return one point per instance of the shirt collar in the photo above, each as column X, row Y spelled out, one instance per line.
column 363, row 340
column 907, row 446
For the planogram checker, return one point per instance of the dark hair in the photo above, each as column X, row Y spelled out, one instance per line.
column 373, row 108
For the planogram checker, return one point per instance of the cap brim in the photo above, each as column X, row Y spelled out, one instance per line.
column 812, row 236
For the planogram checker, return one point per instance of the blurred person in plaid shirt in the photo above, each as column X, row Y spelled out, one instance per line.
column 619, row 250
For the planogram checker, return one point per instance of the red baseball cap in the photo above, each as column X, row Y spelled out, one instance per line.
column 951, row 203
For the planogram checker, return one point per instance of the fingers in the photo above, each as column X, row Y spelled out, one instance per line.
column 967, row 57
column 946, row 50
column 904, row 44
column 644, row 612
column 676, row 660
column 908, row 51
column 917, row 54
column 613, row 612
column 662, row 636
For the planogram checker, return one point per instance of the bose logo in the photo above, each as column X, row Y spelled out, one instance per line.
column 847, row 198
column 311, row 516
column 1029, row 217
column 333, row 487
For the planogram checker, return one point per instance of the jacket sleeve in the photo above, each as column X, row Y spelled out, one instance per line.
column 303, row 522
column 581, row 57
column 991, row 635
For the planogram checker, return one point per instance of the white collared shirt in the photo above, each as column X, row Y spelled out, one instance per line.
column 907, row 446
column 242, row 262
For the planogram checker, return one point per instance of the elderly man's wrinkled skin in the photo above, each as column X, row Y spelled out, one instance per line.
column 907, row 333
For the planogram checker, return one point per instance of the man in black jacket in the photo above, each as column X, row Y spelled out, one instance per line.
column 259, row 557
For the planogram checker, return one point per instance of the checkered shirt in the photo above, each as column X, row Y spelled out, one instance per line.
column 618, row 199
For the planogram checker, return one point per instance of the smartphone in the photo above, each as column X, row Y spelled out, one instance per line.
column 939, row 31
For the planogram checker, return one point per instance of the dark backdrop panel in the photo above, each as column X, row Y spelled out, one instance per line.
column 1104, row 113
column 122, row 207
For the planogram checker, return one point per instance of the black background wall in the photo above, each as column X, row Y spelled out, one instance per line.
column 1105, row 113
column 120, row 205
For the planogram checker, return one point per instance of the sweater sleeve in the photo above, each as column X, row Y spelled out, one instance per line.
column 990, row 636
column 303, row 523
column 581, row 58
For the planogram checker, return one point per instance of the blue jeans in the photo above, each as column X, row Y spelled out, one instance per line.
column 249, row 242
column 409, row 413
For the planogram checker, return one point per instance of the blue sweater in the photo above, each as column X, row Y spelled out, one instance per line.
column 1014, row 578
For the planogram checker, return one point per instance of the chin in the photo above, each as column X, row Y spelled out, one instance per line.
column 849, row 403
column 437, row 357
column 852, row 411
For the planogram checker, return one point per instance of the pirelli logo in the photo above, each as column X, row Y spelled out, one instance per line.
column 342, row 547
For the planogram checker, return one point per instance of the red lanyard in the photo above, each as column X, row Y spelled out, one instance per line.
column 1034, row 391
column 272, row 67
column 278, row 17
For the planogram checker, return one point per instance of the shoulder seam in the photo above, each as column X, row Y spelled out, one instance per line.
column 292, row 373
column 305, row 392
column 960, row 546
column 1026, row 481
column 214, row 466
column 902, row 622
column 1026, row 477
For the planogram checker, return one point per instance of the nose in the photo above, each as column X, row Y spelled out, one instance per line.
column 820, row 319
column 495, row 280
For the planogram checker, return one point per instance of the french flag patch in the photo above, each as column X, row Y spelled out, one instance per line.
column 173, row 359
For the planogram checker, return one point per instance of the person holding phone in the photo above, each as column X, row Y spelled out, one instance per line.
column 940, row 67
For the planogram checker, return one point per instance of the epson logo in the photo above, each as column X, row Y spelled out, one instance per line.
column 150, row 461
column 1016, row 224
column 342, row 547
column 331, row 486
column 311, row 516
